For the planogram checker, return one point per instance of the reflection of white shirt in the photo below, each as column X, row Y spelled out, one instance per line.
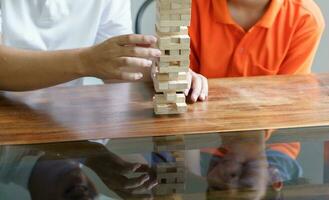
column 62, row 24
column 16, row 165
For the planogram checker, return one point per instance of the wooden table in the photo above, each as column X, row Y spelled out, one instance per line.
column 126, row 110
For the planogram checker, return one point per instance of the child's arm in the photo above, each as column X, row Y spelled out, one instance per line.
column 198, row 84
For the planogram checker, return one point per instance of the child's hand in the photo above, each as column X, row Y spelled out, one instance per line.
column 198, row 87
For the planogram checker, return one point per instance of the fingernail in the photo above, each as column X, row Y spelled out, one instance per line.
column 136, row 166
column 149, row 63
column 138, row 76
column 153, row 185
column 146, row 177
column 157, row 53
column 194, row 98
column 153, row 39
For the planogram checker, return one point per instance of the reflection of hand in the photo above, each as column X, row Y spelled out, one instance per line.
column 54, row 179
column 109, row 167
column 230, row 173
column 243, row 167
column 113, row 171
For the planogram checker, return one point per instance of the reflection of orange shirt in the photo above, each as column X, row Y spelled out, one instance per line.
column 290, row 149
column 284, row 41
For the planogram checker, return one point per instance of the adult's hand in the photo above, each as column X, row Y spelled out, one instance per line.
column 124, row 57
column 115, row 172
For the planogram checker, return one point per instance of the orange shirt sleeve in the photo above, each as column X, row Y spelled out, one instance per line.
column 303, row 46
column 290, row 149
column 195, row 38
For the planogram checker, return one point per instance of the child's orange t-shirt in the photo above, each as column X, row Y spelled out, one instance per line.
column 284, row 41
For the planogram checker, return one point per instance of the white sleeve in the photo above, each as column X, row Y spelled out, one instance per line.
column 16, row 164
column 116, row 20
column 0, row 20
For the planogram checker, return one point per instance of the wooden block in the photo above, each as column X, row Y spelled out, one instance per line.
column 173, row 19
column 169, row 12
column 161, row 99
column 170, row 23
column 180, row 138
column 180, row 30
column 165, row 189
column 167, row 8
column 183, row 64
column 178, row 154
column 169, row 197
column 171, row 96
column 173, row 4
column 169, row 167
column 180, row 162
column 175, row 42
column 166, row 178
column 167, row 109
column 175, row 52
column 173, row 69
column 174, row 76
column 170, row 86
column 174, row 146
column 165, row 58
column 184, row 52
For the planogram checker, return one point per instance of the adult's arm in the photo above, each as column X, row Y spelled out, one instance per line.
column 121, row 57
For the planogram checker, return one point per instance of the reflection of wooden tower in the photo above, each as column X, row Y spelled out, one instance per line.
column 173, row 17
column 170, row 175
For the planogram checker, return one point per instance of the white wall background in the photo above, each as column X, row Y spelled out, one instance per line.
column 321, row 63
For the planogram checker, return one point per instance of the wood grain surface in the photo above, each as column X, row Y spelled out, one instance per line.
column 126, row 110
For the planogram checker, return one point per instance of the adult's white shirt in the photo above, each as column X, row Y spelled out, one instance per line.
column 62, row 24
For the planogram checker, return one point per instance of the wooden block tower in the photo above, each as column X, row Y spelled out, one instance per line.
column 170, row 81
column 170, row 174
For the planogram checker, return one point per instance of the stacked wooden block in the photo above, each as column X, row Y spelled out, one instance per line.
column 173, row 17
column 170, row 174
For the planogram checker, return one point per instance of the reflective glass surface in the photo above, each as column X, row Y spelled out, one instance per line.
column 262, row 164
